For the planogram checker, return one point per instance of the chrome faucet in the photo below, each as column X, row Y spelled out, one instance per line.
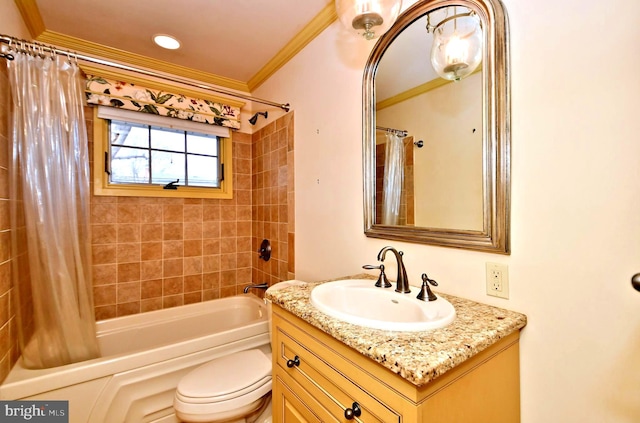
column 263, row 285
column 402, row 281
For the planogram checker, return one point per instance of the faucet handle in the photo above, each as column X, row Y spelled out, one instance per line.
column 382, row 279
column 425, row 291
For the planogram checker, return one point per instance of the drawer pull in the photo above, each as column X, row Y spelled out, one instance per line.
column 294, row 362
column 352, row 412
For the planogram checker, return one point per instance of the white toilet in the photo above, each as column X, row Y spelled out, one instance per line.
column 234, row 388
column 230, row 389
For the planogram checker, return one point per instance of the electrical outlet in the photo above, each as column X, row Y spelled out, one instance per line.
column 498, row 280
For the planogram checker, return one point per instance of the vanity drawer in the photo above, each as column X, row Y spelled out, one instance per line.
column 322, row 379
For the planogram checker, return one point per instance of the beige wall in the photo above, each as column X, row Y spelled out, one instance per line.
column 576, row 207
column 448, row 168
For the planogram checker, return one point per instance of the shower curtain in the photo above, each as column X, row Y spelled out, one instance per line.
column 50, row 211
column 393, row 179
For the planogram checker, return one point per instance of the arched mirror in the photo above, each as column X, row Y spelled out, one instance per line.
column 436, row 145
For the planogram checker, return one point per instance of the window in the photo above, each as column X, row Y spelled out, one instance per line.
column 149, row 155
column 146, row 154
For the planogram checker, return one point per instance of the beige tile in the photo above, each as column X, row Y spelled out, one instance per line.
column 128, row 213
column 172, row 286
column 151, row 289
column 172, row 301
column 193, row 283
column 150, row 270
column 128, row 232
column 172, row 267
column 104, row 254
column 104, row 295
column 128, row 253
column 211, row 246
column 193, row 247
column 172, row 249
column 151, row 232
column 193, row 230
column 172, row 213
column 106, row 312
column 193, row 265
column 150, row 213
column 128, row 272
column 193, row 213
column 211, row 263
column 127, row 309
column 128, row 292
column 104, row 234
column 172, row 231
column 104, row 274
column 151, row 250
column 210, row 213
column 192, row 297
column 211, row 230
column 151, row 304
column 211, row 281
column 104, row 213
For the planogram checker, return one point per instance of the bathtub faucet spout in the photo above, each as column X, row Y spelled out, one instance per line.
column 263, row 285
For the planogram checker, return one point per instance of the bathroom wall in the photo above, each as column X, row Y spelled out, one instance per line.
column 11, row 23
column 575, row 205
column 8, row 336
column 153, row 253
column 273, row 200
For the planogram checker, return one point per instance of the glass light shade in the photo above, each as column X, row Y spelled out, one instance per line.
column 457, row 46
column 368, row 18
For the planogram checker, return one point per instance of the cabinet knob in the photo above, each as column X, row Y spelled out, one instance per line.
column 352, row 412
column 294, row 362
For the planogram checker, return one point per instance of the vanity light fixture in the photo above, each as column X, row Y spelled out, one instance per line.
column 166, row 41
column 457, row 44
column 369, row 18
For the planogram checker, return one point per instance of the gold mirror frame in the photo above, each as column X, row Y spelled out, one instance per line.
column 495, row 235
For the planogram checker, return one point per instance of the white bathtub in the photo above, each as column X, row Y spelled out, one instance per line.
column 143, row 358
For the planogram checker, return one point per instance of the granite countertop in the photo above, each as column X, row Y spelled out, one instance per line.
column 419, row 357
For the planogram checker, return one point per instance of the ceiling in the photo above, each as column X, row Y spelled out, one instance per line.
column 236, row 44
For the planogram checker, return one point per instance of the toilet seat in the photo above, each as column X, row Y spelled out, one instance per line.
column 229, row 384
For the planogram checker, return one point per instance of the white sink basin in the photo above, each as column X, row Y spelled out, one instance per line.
column 360, row 302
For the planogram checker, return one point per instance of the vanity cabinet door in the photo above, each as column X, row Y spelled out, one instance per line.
column 292, row 404
column 308, row 368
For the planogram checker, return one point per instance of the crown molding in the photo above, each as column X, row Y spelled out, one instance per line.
column 318, row 24
column 125, row 57
column 34, row 22
column 416, row 91
column 31, row 16
column 412, row 92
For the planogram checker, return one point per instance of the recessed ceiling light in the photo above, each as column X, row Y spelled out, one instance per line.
column 166, row 41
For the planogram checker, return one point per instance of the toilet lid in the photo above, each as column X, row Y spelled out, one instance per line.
column 226, row 377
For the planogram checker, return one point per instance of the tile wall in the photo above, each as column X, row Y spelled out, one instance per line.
column 273, row 200
column 153, row 253
column 9, row 348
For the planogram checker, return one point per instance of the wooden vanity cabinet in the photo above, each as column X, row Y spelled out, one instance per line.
column 317, row 378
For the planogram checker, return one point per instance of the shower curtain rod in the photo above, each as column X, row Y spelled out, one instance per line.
column 401, row 132
column 35, row 46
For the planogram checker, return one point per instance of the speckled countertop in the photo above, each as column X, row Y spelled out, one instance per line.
column 419, row 357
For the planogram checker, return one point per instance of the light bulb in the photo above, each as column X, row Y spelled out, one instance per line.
column 457, row 46
column 368, row 18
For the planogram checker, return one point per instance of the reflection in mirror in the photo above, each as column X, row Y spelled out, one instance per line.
column 436, row 150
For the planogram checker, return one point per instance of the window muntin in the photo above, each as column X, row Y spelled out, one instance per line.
column 153, row 155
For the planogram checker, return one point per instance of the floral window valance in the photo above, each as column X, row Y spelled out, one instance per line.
column 124, row 95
